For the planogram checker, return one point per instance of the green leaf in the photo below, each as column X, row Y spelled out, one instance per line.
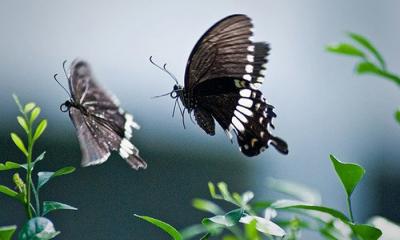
column 40, row 129
column 44, row 177
column 38, row 228
column 16, row 99
column 163, row 226
column 39, row 158
column 207, row 206
column 367, row 44
column 344, row 48
column 35, row 113
column 366, row 232
column 23, row 123
column 192, row 231
column 211, row 188
column 299, row 191
column 397, row 116
column 64, row 171
column 367, row 67
column 9, row 165
column 350, row 174
column 250, row 231
column 290, row 204
column 18, row 142
column 49, row 206
column 29, row 106
column 12, row 194
column 7, row 232
column 230, row 219
column 231, row 237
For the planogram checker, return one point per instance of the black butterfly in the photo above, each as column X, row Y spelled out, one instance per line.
column 101, row 125
column 222, row 78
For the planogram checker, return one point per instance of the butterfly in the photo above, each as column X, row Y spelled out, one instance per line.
column 222, row 79
column 101, row 125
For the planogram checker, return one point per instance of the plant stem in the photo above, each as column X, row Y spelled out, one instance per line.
column 29, row 171
column 350, row 210
column 37, row 201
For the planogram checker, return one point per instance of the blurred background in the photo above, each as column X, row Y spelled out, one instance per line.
column 322, row 107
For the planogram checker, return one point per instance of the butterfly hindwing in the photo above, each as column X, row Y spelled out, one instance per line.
column 99, row 119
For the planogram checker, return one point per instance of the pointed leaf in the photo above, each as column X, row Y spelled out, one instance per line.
column 12, row 194
column 44, row 177
column 207, row 206
column 49, row 206
column 350, row 174
column 35, row 113
column 344, row 48
column 367, row 44
column 366, row 232
column 7, row 232
column 39, row 158
column 18, row 142
column 64, row 171
column 9, row 165
column 250, row 230
column 163, row 226
column 23, row 123
column 367, row 67
column 230, row 219
column 38, row 228
column 16, row 99
column 29, row 106
column 290, row 204
column 40, row 129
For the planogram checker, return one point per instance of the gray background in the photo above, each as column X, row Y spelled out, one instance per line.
column 322, row 106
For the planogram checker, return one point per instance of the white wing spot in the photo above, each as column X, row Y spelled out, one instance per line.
column 246, row 102
column 250, row 48
column 249, row 68
column 244, row 111
column 245, row 93
column 237, row 124
column 247, row 77
column 240, row 116
column 255, row 86
column 261, row 119
column 250, row 58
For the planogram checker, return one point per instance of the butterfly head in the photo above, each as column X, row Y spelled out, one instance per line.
column 66, row 106
column 176, row 91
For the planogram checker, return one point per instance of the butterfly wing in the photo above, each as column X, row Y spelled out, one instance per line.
column 223, row 75
column 102, row 126
column 225, row 50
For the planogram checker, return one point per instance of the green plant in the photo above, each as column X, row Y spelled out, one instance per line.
column 37, row 227
column 252, row 220
column 370, row 59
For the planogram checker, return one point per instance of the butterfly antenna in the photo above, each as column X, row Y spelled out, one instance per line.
column 170, row 74
column 65, row 69
column 163, row 69
column 55, row 78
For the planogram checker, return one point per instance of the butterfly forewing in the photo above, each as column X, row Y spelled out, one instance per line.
column 223, row 77
column 102, row 126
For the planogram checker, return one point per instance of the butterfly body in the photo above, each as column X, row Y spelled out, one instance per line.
column 101, row 125
column 222, row 79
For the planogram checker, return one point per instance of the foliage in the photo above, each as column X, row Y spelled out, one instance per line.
column 249, row 220
column 370, row 59
column 37, row 227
